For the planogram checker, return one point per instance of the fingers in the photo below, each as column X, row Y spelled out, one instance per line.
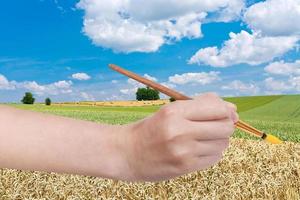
column 233, row 108
column 203, row 108
column 231, row 105
column 209, row 130
column 205, row 154
column 200, row 163
column 210, row 147
column 204, row 162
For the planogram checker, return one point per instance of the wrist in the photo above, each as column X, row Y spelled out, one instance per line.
column 114, row 156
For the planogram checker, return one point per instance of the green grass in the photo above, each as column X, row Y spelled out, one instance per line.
column 279, row 115
column 248, row 103
column 101, row 114
column 284, row 109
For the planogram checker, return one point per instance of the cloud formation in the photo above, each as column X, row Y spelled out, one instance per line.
column 134, row 85
column 274, row 17
column 240, row 87
column 274, row 85
column 81, row 76
column 202, row 78
column 56, row 88
column 5, row 84
column 284, row 68
column 86, row 96
column 144, row 26
column 273, row 33
column 252, row 49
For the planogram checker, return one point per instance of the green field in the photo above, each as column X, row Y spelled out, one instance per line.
column 279, row 115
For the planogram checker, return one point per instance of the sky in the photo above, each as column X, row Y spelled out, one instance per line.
column 61, row 48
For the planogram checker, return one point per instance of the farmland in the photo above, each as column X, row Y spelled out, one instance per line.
column 279, row 115
column 250, row 169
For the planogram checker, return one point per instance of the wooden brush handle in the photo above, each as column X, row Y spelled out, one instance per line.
column 152, row 84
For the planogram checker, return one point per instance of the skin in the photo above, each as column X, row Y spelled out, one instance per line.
column 182, row 137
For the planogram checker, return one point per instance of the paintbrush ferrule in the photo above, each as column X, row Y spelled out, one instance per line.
column 264, row 136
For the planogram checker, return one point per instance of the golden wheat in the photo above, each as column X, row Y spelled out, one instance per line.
column 249, row 170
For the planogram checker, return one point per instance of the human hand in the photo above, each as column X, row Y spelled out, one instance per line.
column 182, row 137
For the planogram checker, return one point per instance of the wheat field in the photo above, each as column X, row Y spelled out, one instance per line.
column 249, row 170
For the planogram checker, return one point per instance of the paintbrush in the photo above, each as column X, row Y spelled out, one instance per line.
column 178, row 96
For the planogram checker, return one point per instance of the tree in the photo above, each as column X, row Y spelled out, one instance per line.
column 172, row 99
column 47, row 101
column 28, row 98
column 147, row 94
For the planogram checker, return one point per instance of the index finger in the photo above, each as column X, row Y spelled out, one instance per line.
column 204, row 108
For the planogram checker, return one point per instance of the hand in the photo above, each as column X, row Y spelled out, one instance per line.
column 182, row 137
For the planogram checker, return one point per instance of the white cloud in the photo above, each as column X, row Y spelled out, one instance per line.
column 283, row 86
column 5, row 84
column 277, row 85
column 152, row 78
column 114, row 81
column 62, row 84
column 134, row 85
column 59, row 87
column 144, row 10
column 56, row 88
column 86, row 96
column 143, row 26
column 284, row 68
column 244, row 47
column 32, row 86
column 231, row 12
column 128, row 91
column 288, row 74
column 81, row 76
column 241, row 87
column 201, row 78
column 168, row 85
column 295, row 82
column 274, row 17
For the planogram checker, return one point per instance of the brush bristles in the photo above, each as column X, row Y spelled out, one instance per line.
column 272, row 139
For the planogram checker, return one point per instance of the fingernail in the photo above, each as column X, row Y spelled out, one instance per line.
column 234, row 117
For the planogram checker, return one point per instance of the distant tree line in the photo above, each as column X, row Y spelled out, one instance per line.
column 29, row 99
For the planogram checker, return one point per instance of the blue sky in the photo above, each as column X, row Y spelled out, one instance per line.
column 61, row 49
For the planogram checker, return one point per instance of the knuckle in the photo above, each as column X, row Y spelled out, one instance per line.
column 169, row 130
column 168, row 111
column 178, row 151
column 208, row 96
column 231, row 106
column 176, row 154
column 221, row 111
column 169, row 123
column 228, row 128
column 212, row 95
column 224, row 144
column 234, row 107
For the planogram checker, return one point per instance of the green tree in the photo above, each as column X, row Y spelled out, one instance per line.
column 147, row 94
column 172, row 99
column 28, row 98
column 47, row 101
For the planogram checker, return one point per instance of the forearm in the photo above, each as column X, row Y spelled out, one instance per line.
column 36, row 141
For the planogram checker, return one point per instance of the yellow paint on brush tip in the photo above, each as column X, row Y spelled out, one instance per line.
column 272, row 139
